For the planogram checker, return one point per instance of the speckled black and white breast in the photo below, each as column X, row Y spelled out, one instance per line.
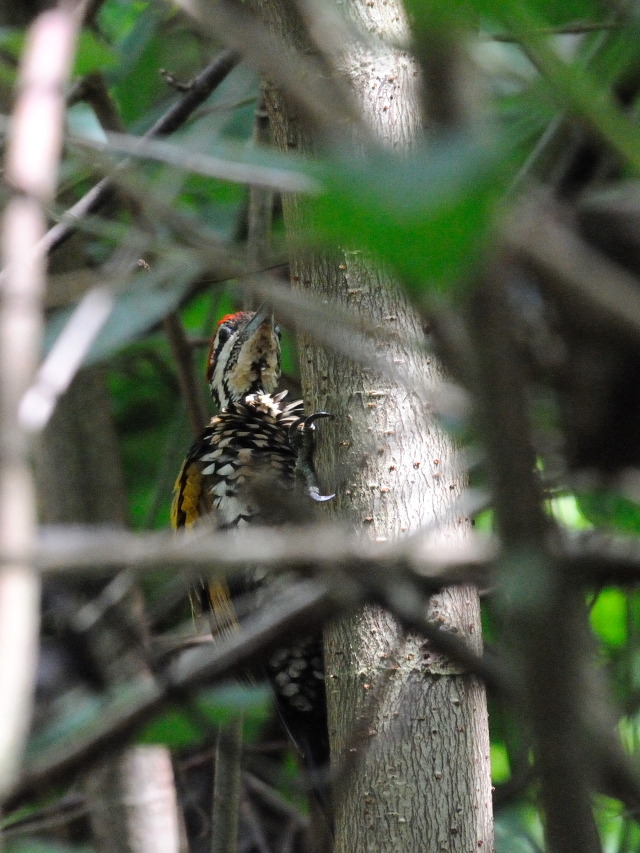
column 247, row 439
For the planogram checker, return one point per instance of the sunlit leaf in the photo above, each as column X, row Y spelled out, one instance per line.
column 609, row 617
column 426, row 215
column 223, row 703
column 93, row 54
column 500, row 769
column 607, row 509
column 175, row 729
column 566, row 510
column 518, row 829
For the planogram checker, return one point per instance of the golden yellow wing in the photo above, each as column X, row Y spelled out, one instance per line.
column 192, row 502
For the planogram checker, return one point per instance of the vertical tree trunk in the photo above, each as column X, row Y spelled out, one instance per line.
column 416, row 724
column 131, row 796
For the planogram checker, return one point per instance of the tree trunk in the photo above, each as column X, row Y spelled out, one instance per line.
column 415, row 724
column 131, row 796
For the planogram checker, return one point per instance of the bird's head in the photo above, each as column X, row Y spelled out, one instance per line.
column 244, row 357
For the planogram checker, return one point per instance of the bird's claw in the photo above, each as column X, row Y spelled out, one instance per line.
column 300, row 432
column 314, row 494
column 309, row 422
column 302, row 435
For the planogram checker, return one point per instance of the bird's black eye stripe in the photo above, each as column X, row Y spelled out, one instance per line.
column 224, row 333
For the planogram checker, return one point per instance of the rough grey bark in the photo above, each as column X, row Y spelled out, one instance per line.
column 131, row 796
column 415, row 725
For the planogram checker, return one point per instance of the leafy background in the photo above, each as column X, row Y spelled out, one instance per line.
column 429, row 216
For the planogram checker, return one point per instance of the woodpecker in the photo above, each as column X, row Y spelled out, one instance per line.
column 256, row 436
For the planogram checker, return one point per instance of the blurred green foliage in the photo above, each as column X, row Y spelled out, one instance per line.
column 34, row 845
column 179, row 728
column 428, row 216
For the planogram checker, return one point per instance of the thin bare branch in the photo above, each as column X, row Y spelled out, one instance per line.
column 65, row 359
column 70, row 551
column 304, row 604
column 545, row 628
column 174, row 118
column 273, row 799
column 572, row 270
column 94, row 90
column 253, row 822
column 225, row 168
column 581, row 28
column 31, row 169
column 69, row 808
column 189, row 387
column 589, row 558
column 227, row 787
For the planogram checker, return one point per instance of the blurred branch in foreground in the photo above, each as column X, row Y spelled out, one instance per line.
column 31, row 171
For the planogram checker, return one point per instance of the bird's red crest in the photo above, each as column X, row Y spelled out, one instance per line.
column 233, row 318
column 228, row 317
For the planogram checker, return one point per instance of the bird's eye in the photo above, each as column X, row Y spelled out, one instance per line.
column 224, row 333
column 278, row 332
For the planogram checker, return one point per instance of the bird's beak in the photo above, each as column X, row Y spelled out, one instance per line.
column 263, row 313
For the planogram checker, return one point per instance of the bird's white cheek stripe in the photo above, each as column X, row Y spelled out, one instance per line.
column 235, row 373
column 218, row 373
column 245, row 374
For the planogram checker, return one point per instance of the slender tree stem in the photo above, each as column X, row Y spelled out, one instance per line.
column 31, row 170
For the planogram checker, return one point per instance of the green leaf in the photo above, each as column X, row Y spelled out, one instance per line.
column 118, row 17
column 152, row 426
column 12, row 41
column 426, row 215
column 175, row 729
column 93, row 54
column 500, row 769
column 218, row 203
column 222, row 704
column 518, row 829
column 484, row 521
column 618, row 829
column 290, row 365
column 607, row 509
column 550, row 13
column 609, row 617
column 571, row 84
column 136, row 77
column 566, row 510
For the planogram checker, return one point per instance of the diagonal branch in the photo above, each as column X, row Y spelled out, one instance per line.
column 304, row 604
column 174, row 118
